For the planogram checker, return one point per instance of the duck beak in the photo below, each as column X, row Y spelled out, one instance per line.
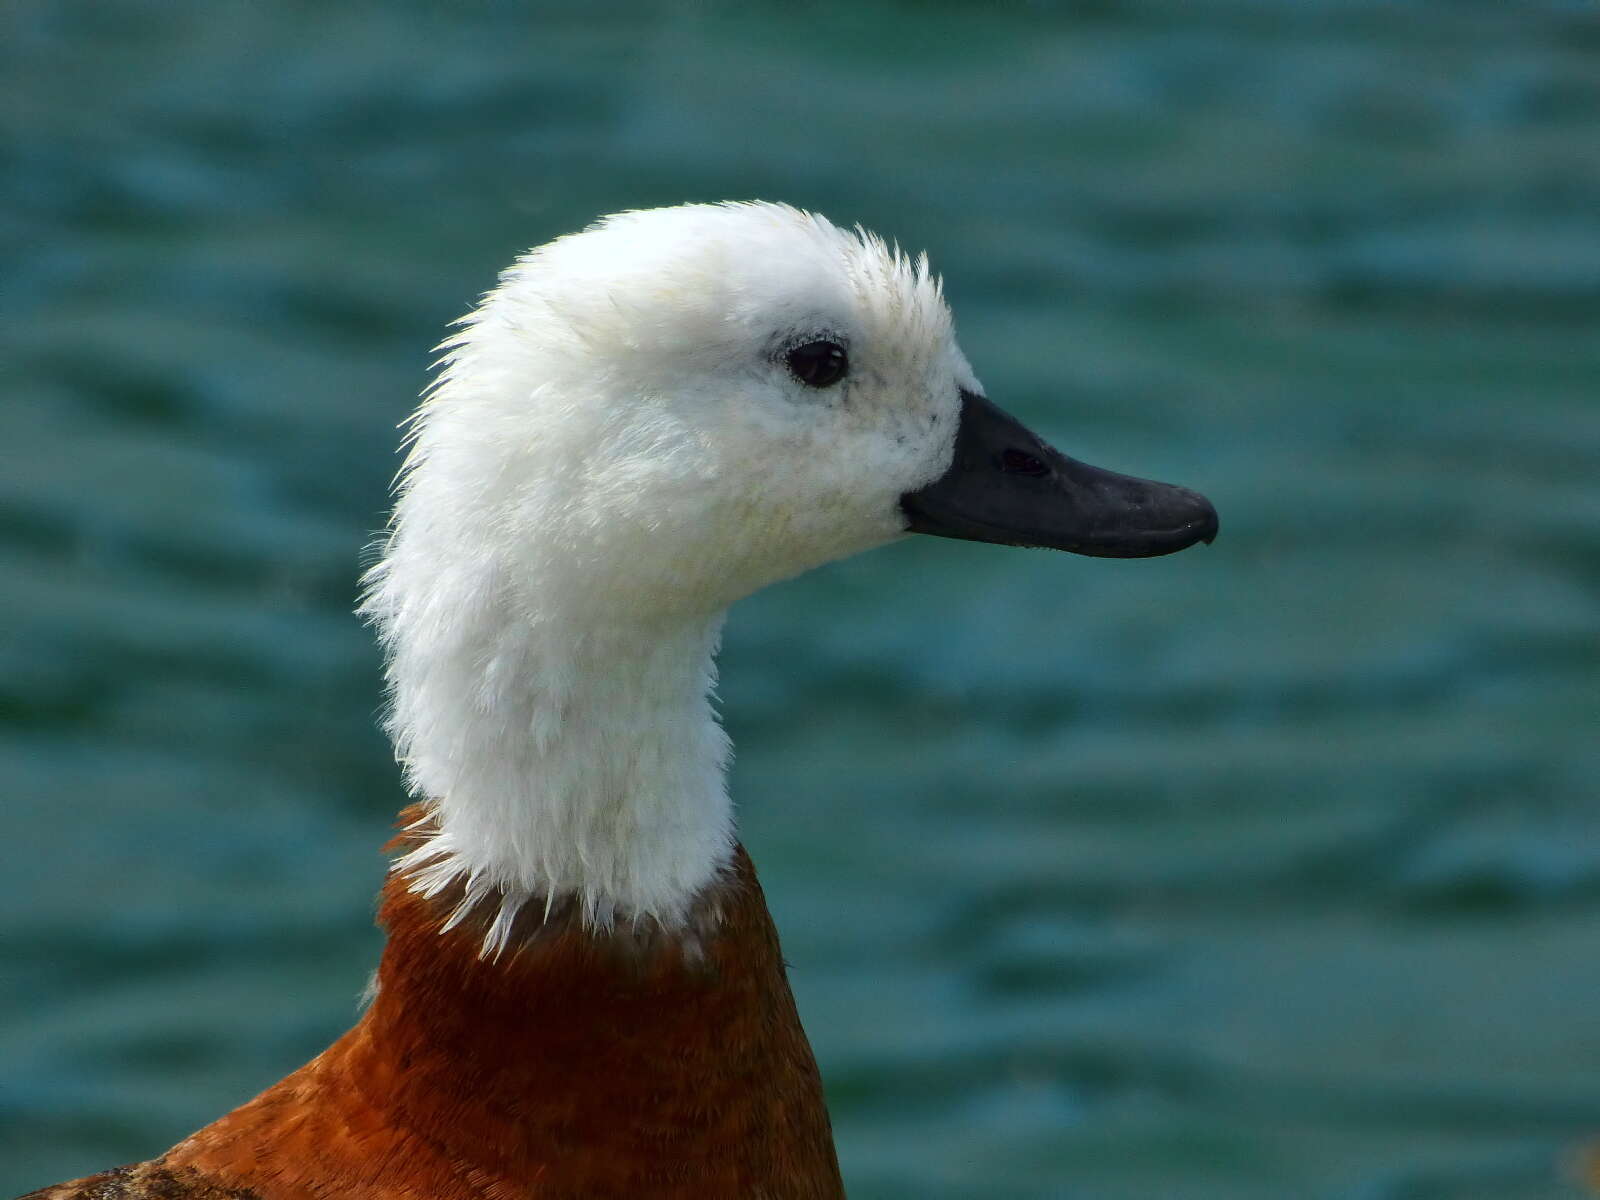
column 1008, row 486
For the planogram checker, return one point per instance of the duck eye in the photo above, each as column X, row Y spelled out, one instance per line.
column 818, row 364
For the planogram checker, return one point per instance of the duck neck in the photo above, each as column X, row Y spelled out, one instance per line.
column 564, row 763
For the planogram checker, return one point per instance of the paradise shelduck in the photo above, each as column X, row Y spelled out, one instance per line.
column 582, row 993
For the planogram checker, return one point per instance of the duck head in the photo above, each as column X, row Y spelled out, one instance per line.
column 677, row 407
column 642, row 423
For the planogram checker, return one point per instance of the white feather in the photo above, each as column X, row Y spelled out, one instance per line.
column 613, row 452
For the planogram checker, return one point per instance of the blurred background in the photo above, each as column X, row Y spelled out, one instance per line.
column 1269, row 870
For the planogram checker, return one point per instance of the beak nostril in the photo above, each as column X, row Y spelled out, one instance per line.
column 1020, row 462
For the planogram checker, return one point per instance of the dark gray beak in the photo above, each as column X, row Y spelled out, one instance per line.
column 1005, row 485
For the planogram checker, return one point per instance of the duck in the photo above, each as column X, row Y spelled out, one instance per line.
column 582, row 992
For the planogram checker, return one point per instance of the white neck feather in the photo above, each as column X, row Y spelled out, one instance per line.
column 565, row 746
column 564, row 762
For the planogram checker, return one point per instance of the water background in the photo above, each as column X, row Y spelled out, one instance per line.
column 1266, row 871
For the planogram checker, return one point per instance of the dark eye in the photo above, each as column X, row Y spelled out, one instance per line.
column 818, row 364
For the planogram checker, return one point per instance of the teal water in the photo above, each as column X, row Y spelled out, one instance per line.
column 1270, row 870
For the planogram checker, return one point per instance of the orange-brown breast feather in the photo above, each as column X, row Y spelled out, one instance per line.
column 576, row 1065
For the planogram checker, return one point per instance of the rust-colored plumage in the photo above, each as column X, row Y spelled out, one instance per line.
column 629, row 1064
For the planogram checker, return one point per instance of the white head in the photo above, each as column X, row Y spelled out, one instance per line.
column 618, row 421
column 644, row 422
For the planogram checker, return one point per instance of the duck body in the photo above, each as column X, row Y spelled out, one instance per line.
column 582, row 993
